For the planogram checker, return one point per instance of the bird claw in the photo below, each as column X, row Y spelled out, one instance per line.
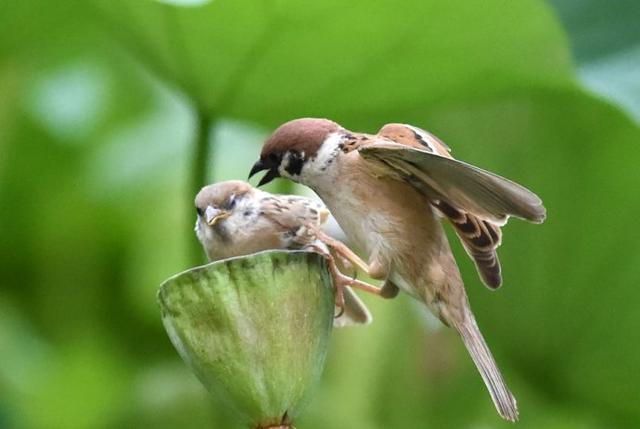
column 340, row 282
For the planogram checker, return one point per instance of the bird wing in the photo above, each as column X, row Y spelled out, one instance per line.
column 475, row 201
column 408, row 135
column 291, row 214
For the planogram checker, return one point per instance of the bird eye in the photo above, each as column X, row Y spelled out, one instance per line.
column 200, row 211
column 232, row 201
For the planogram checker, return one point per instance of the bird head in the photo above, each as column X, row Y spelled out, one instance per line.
column 216, row 202
column 289, row 149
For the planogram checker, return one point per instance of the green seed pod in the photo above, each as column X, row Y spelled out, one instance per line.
column 254, row 330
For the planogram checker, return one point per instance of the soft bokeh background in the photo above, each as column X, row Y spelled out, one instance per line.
column 113, row 113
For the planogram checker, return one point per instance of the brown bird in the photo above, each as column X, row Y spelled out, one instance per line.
column 235, row 219
column 388, row 191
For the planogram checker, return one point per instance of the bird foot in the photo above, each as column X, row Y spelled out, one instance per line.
column 340, row 281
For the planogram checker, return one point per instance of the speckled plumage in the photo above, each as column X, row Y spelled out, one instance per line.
column 388, row 191
column 258, row 221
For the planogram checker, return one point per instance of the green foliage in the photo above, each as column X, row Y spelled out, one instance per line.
column 271, row 61
column 606, row 44
column 99, row 114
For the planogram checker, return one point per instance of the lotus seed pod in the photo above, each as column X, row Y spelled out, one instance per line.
column 254, row 330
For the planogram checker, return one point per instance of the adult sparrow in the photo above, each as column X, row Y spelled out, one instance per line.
column 235, row 219
column 388, row 192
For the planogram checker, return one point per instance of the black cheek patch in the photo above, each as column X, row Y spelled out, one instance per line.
column 294, row 166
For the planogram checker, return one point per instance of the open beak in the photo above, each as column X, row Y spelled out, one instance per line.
column 272, row 173
column 212, row 215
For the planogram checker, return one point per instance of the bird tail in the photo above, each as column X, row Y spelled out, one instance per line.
column 355, row 312
column 503, row 400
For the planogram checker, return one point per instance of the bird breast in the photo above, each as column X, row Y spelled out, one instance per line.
column 388, row 219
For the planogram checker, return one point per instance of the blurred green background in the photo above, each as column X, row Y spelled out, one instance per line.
column 113, row 114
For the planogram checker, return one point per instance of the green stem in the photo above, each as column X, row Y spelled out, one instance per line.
column 199, row 172
column 281, row 427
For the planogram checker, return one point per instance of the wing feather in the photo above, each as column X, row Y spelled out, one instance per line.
column 480, row 240
column 480, row 192
column 475, row 201
column 291, row 214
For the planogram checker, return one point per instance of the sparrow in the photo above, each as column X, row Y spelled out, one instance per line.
column 388, row 192
column 235, row 219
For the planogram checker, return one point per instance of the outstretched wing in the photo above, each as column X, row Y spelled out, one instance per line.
column 408, row 135
column 485, row 194
column 480, row 239
column 476, row 202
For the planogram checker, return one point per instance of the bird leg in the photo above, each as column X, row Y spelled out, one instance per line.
column 336, row 276
column 344, row 264
column 341, row 281
column 374, row 270
column 340, row 248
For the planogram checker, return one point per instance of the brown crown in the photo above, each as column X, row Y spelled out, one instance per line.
column 217, row 194
column 300, row 135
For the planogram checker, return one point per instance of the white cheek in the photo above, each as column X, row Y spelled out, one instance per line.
column 243, row 217
column 204, row 234
column 198, row 228
column 328, row 149
column 282, row 168
column 323, row 164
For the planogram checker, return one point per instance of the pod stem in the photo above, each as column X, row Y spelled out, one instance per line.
column 277, row 427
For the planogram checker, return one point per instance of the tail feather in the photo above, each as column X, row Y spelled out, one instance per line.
column 479, row 238
column 503, row 400
column 488, row 266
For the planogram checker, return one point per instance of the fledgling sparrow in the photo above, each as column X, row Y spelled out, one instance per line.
column 235, row 219
column 387, row 191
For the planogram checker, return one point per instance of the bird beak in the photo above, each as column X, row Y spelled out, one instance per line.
column 212, row 215
column 271, row 173
column 257, row 167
